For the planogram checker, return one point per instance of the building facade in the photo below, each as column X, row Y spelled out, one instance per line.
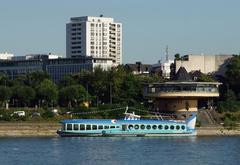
column 57, row 68
column 97, row 37
column 206, row 64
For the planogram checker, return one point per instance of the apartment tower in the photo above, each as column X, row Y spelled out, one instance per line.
column 98, row 37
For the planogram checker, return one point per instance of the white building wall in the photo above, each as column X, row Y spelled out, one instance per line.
column 204, row 63
column 165, row 67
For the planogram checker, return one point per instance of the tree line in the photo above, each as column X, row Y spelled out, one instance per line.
column 116, row 85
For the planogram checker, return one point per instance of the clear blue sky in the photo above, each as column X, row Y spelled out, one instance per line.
column 186, row 26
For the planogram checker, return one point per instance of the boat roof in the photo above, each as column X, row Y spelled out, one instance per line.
column 114, row 121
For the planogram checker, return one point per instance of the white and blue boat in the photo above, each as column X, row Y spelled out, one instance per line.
column 131, row 125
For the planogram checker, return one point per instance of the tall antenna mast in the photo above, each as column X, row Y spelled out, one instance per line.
column 166, row 53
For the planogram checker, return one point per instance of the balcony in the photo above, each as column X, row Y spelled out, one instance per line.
column 193, row 90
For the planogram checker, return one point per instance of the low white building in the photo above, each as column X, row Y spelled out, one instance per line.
column 163, row 67
column 6, row 56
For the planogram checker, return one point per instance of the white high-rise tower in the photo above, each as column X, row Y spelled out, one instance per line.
column 98, row 37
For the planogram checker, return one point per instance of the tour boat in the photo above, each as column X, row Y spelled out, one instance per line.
column 131, row 125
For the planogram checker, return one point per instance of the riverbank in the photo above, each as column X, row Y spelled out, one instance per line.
column 49, row 130
column 28, row 129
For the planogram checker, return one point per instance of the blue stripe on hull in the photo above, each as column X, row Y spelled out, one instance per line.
column 75, row 134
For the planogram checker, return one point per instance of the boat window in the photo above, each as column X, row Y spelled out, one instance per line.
column 148, row 127
column 69, row 127
column 100, row 127
column 124, row 127
column 172, row 127
column 82, row 127
column 88, row 127
column 117, row 127
column 130, row 126
column 75, row 127
column 136, row 127
column 142, row 126
column 177, row 127
column 63, row 127
column 112, row 126
column 106, row 127
column 94, row 127
column 183, row 127
column 166, row 127
column 160, row 127
column 154, row 127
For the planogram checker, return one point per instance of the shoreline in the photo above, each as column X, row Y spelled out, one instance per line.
column 49, row 130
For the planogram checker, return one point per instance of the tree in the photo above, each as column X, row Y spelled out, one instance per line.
column 47, row 92
column 23, row 95
column 205, row 78
column 5, row 94
column 74, row 94
column 35, row 78
column 177, row 56
column 233, row 74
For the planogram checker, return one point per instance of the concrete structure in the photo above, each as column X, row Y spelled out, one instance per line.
column 97, row 37
column 6, row 56
column 181, row 95
column 204, row 63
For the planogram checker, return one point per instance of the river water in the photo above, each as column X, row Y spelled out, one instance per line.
column 120, row 151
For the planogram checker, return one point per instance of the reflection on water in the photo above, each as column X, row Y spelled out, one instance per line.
column 120, row 150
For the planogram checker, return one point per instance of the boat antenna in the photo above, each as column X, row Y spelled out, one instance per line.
column 126, row 109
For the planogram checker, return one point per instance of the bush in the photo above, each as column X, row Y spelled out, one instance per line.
column 231, row 124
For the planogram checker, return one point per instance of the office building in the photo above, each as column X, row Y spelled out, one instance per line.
column 57, row 68
column 97, row 37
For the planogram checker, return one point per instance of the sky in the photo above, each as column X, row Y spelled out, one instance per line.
column 186, row 26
